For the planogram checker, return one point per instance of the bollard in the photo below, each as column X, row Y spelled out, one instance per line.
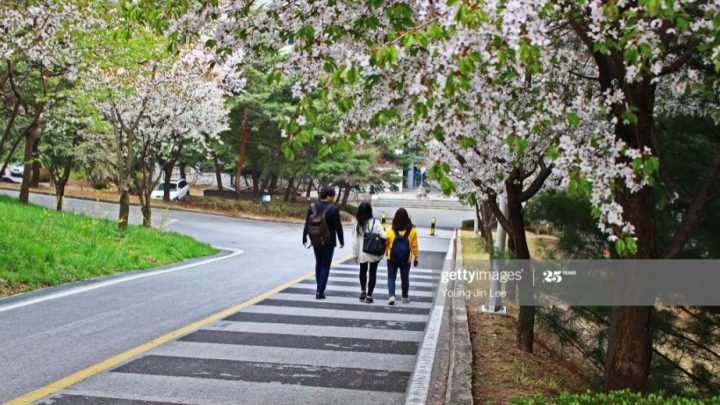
column 432, row 227
column 383, row 220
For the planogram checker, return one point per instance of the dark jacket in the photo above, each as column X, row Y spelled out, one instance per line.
column 333, row 222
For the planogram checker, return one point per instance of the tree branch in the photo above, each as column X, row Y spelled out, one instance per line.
column 537, row 184
column 678, row 62
column 492, row 202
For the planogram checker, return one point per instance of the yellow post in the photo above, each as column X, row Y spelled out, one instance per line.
column 432, row 227
column 384, row 219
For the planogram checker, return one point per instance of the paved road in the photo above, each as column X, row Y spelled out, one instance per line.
column 44, row 342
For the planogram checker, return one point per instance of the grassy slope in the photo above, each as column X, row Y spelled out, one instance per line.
column 40, row 248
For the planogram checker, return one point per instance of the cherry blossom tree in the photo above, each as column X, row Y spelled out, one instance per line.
column 158, row 107
column 39, row 54
column 506, row 93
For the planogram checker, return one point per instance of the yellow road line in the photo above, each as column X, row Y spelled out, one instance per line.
column 75, row 378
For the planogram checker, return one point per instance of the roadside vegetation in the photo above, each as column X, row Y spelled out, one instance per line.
column 501, row 371
column 276, row 209
column 42, row 248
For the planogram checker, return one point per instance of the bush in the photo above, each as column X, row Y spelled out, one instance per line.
column 350, row 209
column 615, row 398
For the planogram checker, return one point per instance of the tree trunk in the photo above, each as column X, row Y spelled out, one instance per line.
column 345, row 197
column 629, row 349
column 218, row 172
column 293, row 194
column 273, row 184
column 256, row 181
column 28, row 156
column 35, row 181
column 243, row 146
column 167, row 172
column 630, row 336
column 146, row 210
column 485, row 225
column 309, row 188
column 183, row 169
column 289, row 189
column 526, row 318
column 60, row 183
column 124, row 215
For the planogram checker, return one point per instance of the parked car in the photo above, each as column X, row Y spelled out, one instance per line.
column 17, row 170
column 179, row 189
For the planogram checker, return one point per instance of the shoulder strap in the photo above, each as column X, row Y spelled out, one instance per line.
column 313, row 209
column 325, row 211
column 371, row 228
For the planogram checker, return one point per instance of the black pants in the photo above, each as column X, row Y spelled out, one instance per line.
column 323, row 260
column 404, row 276
column 364, row 279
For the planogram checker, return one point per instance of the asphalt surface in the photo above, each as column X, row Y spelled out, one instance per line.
column 45, row 341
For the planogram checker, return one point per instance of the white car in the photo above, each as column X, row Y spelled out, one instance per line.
column 179, row 189
column 14, row 173
column 17, row 170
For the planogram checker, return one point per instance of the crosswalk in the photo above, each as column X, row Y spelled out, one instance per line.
column 288, row 348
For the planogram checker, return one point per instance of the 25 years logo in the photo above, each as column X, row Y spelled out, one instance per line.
column 552, row 276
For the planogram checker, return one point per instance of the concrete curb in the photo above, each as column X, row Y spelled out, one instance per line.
column 459, row 388
column 428, row 365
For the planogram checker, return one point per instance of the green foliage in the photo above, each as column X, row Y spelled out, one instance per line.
column 615, row 398
column 689, row 146
column 43, row 248
column 569, row 218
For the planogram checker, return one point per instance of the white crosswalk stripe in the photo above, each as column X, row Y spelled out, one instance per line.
column 287, row 348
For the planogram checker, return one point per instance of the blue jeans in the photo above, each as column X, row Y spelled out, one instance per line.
column 404, row 277
column 323, row 261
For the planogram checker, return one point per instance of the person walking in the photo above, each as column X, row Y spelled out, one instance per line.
column 401, row 250
column 322, row 224
column 368, row 249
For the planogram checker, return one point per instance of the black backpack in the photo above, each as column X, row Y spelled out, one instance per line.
column 318, row 228
column 400, row 251
column 373, row 243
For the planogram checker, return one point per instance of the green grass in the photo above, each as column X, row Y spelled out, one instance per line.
column 41, row 248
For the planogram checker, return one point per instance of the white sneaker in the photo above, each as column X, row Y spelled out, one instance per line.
column 406, row 300
column 391, row 300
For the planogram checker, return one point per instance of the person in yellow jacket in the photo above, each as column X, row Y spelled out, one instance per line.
column 401, row 249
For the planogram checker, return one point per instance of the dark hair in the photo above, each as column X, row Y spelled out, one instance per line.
column 326, row 192
column 364, row 214
column 401, row 221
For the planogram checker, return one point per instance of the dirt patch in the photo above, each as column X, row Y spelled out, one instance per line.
column 501, row 371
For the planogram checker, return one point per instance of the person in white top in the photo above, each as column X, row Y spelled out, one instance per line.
column 367, row 225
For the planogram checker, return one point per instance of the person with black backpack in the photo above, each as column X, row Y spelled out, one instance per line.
column 401, row 249
column 322, row 223
column 368, row 249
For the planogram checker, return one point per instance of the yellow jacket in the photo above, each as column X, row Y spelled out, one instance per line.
column 390, row 238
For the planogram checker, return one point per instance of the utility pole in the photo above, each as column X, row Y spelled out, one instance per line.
column 494, row 303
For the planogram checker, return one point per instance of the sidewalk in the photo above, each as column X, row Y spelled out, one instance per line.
column 288, row 348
